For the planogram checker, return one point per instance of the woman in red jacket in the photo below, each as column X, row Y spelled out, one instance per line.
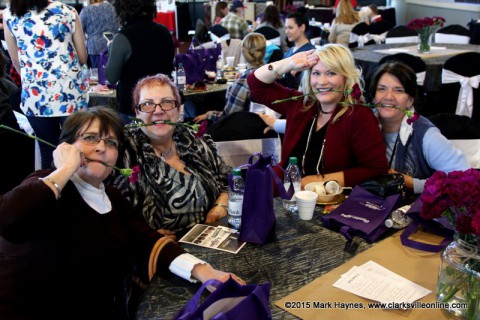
column 333, row 136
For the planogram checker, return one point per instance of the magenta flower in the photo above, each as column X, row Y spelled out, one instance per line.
column 135, row 173
column 413, row 118
column 356, row 92
column 202, row 129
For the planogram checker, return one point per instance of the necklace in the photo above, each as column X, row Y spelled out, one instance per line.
column 163, row 155
column 325, row 112
column 320, row 158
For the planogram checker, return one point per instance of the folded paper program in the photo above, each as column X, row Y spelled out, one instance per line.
column 465, row 96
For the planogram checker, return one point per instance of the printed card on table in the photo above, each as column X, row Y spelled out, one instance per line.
column 219, row 238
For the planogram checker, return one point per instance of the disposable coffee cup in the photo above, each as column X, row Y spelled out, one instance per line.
column 306, row 201
column 230, row 61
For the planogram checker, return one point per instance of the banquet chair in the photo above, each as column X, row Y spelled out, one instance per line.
column 273, row 52
column 401, row 34
column 358, row 35
column 463, row 132
column 314, row 34
column 459, row 92
column 453, row 33
column 419, row 67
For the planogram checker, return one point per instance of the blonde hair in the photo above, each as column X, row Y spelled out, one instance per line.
column 346, row 14
column 338, row 59
column 95, row 1
column 254, row 46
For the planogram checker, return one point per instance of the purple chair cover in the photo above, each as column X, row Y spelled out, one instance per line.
column 440, row 226
column 258, row 216
column 255, row 305
column 362, row 214
column 197, row 61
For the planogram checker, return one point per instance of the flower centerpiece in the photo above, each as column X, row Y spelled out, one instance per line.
column 425, row 28
column 456, row 196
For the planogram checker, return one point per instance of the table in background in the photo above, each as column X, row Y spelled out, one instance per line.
column 199, row 102
column 108, row 99
column 301, row 252
column 367, row 58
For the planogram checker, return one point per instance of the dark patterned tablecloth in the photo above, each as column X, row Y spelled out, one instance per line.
column 301, row 252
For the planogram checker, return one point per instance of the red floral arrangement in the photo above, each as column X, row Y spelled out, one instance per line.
column 455, row 195
column 425, row 23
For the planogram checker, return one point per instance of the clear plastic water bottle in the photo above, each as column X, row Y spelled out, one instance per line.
column 398, row 218
column 235, row 200
column 294, row 173
column 219, row 67
column 181, row 77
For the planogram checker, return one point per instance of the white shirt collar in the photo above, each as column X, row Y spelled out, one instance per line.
column 96, row 198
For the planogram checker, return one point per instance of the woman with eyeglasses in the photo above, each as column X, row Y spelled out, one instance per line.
column 68, row 242
column 182, row 180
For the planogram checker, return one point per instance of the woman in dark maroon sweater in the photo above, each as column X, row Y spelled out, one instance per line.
column 332, row 137
column 68, row 242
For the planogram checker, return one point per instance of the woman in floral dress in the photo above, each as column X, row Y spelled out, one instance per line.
column 47, row 47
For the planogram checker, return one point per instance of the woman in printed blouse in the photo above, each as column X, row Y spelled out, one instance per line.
column 332, row 136
column 182, row 179
column 46, row 44
column 68, row 249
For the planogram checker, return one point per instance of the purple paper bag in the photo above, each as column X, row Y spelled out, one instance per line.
column 362, row 214
column 247, row 302
column 101, row 65
column 198, row 60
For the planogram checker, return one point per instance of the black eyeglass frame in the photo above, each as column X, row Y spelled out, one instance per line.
column 155, row 105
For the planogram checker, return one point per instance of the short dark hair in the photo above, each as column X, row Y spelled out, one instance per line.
column 300, row 19
column 128, row 9
column 109, row 120
column 20, row 7
column 402, row 72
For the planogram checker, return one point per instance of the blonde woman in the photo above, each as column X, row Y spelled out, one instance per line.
column 346, row 19
column 238, row 94
column 333, row 137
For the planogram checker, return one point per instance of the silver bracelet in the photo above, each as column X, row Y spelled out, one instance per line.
column 271, row 67
column 221, row 205
column 53, row 183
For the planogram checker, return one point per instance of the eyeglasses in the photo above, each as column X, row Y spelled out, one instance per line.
column 150, row 106
column 94, row 139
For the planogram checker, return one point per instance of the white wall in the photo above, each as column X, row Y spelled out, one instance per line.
column 454, row 13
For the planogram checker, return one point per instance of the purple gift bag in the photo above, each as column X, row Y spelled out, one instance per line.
column 198, row 60
column 230, row 300
column 258, row 216
column 362, row 214
column 101, row 65
column 439, row 226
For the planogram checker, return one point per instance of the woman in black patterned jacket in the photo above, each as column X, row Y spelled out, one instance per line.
column 182, row 180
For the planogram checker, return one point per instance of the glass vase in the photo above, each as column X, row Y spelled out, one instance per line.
column 458, row 282
column 424, row 42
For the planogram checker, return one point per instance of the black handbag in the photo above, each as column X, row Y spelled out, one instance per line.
column 386, row 185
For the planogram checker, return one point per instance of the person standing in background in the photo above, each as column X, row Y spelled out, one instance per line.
column 221, row 11
column 234, row 22
column 97, row 18
column 271, row 18
column 46, row 44
column 141, row 48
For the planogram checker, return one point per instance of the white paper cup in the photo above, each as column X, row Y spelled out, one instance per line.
column 306, row 201
column 230, row 61
column 242, row 66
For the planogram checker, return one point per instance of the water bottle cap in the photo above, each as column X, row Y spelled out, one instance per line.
column 293, row 160
column 237, row 172
column 389, row 223
column 180, row 65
